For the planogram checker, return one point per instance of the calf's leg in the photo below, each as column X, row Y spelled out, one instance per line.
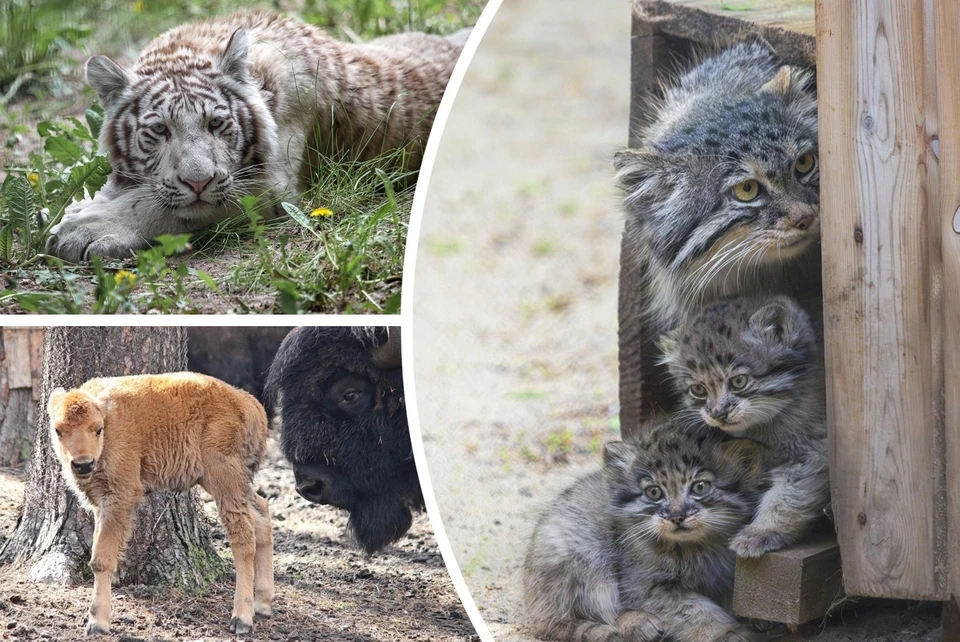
column 229, row 489
column 112, row 522
column 263, row 560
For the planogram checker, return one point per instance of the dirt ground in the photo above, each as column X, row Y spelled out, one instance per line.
column 326, row 588
column 515, row 297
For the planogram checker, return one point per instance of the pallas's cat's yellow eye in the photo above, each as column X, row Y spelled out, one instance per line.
column 806, row 163
column 746, row 191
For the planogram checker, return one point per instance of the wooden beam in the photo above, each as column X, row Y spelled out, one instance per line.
column 792, row 586
column 948, row 96
column 882, row 314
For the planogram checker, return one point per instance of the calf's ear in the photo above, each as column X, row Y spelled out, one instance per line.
column 104, row 402
column 55, row 398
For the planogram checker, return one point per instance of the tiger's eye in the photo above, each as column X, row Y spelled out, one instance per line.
column 698, row 391
column 159, row 128
column 805, row 164
column 746, row 191
column 653, row 493
column 215, row 122
column 739, row 382
column 700, row 487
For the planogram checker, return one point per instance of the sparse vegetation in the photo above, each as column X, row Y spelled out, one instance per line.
column 339, row 250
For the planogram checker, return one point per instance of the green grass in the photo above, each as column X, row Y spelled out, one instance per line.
column 339, row 250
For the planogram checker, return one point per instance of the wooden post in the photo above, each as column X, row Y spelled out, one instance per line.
column 882, row 257
column 792, row 586
column 947, row 21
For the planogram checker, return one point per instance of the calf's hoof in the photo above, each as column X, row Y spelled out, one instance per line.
column 239, row 626
column 262, row 609
column 96, row 628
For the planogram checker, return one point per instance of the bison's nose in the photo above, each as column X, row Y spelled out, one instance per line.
column 83, row 466
column 197, row 186
column 314, row 483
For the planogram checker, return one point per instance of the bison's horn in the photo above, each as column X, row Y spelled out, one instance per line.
column 387, row 355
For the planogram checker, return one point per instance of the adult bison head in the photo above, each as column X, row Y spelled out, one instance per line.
column 344, row 426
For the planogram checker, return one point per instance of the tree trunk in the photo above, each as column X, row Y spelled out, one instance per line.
column 19, row 367
column 171, row 539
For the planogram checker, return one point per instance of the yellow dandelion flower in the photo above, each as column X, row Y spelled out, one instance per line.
column 138, row 6
column 34, row 179
column 124, row 277
column 321, row 211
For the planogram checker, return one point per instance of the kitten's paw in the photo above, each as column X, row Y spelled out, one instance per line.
column 639, row 626
column 754, row 542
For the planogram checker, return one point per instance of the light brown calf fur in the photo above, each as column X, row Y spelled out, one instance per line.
column 119, row 438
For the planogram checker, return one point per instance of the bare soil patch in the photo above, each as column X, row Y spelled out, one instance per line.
column 326, row 587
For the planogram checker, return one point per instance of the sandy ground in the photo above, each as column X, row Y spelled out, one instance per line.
column 326, row 587
column 515, row 319
column 515, row 291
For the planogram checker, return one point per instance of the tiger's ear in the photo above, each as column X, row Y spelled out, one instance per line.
column 233, row 60
column 108, row 79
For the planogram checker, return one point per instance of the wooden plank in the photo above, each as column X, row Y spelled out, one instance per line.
column 792, row 586
column 947, row 19
column 16, row 342
column 789, row 34
column 878, row 295
column 793, row 15
column 951, row 620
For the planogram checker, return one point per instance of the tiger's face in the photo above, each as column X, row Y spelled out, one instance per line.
column 193, row 132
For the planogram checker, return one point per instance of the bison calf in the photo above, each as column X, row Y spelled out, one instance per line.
column 119, row 438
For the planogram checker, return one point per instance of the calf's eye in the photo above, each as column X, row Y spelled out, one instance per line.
column 99, row 431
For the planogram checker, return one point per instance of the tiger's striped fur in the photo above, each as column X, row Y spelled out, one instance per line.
column 242, row 105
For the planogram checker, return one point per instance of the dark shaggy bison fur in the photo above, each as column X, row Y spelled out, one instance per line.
column 344, row 427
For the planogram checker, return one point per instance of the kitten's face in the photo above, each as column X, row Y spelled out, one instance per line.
column 678, row 490
column 729, row 182
column 738, row 364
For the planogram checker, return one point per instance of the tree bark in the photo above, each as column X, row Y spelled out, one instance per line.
column 19, row 359
column 171, row 539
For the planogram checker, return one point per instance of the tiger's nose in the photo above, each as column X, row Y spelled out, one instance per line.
column 197, row 186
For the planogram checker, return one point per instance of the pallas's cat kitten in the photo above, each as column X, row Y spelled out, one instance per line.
column 722, row 195
column 751, row 368
column 638, row 550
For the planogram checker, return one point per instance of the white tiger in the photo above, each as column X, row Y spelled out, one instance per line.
column 240, row 105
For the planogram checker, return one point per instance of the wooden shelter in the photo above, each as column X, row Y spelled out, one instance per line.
column 888, row 77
